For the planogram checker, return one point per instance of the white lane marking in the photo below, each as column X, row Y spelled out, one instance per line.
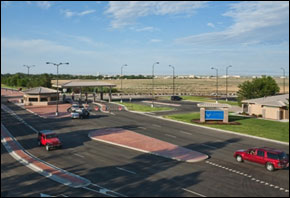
column 105, row 190
column 198, row 194
column 122, row 169
column 170, row 135
column 209, row 146
column 79, row 155
column 185, row 132
column 249, row 176
column 142, row 128
column 156, row 125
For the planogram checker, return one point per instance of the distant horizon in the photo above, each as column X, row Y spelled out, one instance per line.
column 213, row 75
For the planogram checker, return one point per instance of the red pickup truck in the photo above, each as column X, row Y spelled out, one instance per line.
column 271, row 158
column 48, row 139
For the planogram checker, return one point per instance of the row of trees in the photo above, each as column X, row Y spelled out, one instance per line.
column 259, row 87
column 23, row 80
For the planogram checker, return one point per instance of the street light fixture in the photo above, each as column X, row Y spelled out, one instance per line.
column 28, row 67
column 283, row 79
column 152, row 105
column 216, row 83
column 227, row 81
column 173, row 78
column 121, row 82
column 57, row 65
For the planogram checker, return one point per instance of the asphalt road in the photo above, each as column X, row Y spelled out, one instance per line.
column 132, row 173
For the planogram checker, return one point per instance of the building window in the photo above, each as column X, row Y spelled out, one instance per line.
column 53, row 98
column 43, row 99
column 33, row 99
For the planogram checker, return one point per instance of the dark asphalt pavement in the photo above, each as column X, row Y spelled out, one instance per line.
column 132, row 173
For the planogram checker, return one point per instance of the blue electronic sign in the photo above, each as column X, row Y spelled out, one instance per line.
column 214, row 115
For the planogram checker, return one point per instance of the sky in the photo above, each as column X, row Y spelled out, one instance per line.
column 100, row 37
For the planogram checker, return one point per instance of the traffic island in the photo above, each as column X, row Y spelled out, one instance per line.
column 132, row 140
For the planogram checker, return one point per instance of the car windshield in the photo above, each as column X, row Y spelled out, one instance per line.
column 282, row 156
column 50, row 136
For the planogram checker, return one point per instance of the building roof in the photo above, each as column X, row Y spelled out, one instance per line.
column 40, row 90
column 213, row 105
column 81, row 83
column 276, row 101
column 87, row 84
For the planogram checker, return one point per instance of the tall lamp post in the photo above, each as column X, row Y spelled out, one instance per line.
column 57, row 65
column 283, row 79
column 173, row 78
column 216, row 83
column 121, row 82
column 28, row 67
column 227, row 81
column 152, row 105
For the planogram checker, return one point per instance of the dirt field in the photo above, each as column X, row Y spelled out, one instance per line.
column 189, row 86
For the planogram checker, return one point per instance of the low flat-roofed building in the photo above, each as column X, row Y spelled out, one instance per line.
column 271, row 107
column 39, row 96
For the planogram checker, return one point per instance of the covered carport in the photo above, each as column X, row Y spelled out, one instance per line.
column 85, row 84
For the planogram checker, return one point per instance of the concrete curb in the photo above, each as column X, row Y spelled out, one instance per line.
column 56, row 174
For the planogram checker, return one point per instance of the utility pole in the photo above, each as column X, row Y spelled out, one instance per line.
column 152, row 105
column 227, row 82
column 57, row 65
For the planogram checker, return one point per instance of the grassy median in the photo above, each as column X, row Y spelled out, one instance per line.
column 251, row 126
column 144, row 108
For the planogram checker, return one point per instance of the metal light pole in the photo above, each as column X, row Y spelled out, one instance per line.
column 28, row 67
column 227, row 81
column 283, row 79
column 173, row 78
column 121, row 82
column 57, row 65
column 216, row 83
column 152, row 105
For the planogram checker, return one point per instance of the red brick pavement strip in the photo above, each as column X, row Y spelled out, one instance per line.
column 49, row 111
column 132, row 140
column 37, row 165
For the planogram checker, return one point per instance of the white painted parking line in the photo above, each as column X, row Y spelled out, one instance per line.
column 190, row 191
column 122, row 169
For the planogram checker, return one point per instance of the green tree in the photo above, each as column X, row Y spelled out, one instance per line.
column 257, row 88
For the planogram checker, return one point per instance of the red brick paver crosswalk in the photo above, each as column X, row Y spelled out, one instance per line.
column 132, row 140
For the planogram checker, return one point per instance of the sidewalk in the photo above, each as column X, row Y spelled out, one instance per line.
column 146, row 144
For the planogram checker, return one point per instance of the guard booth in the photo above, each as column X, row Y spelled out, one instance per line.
column 214, row 111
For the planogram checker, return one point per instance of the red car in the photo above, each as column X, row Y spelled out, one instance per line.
column 271, row 158
column 48, row 139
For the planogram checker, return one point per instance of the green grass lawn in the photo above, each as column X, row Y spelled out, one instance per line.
column 6, row 86
column 251, row 126
column 144, row 108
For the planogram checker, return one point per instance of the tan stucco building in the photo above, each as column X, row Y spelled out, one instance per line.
column 271, row 107
column 40, row 96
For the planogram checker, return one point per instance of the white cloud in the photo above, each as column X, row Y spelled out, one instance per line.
column 254, row 22
column 44, row 4
column 211, row 25
column 69, row 13
column 125, row 13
